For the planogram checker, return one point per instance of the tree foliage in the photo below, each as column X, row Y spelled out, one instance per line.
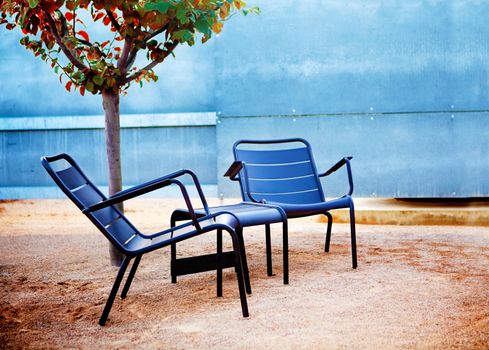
column 57, row 32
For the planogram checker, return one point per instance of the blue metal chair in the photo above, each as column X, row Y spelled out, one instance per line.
column 104, row 214
column 283, row 173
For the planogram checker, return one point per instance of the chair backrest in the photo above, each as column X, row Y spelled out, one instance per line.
column 73, row 182
column 281, row 171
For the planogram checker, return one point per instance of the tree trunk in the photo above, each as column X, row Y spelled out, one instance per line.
column 110, row 101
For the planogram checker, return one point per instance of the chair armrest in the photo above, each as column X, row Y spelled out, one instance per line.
column 338, row 165
column 335, row 167
column 234, row 170
column 149, row 187
column 135, row 191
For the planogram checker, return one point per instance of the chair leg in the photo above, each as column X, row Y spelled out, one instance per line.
column 353, row 236
column 113, row 292
column 285, row 252
column 130, row 277
column 328, row 231
column 239, row 272
column 239, row 233
column 268, row 244
column 219, row 264
column 173, row 254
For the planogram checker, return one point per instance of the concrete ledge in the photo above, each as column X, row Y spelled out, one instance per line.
column 97, row 121
column 372, row 211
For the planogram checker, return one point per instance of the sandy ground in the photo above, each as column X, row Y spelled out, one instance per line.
column 416, row 287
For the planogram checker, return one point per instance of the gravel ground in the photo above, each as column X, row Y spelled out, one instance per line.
column 416, row 287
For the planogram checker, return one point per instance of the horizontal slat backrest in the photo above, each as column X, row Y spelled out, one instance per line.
column 279, row 171
column 87, row 195
column 115, row 224
column 71, row 178
column 281, row 156
column 121, row 231
column 83, row 193
column 106, row 215
column 290, row 198
column 282, row 176
column 298, row 184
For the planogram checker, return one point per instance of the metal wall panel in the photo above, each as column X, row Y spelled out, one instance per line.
column 395, row 155
column 147, row 153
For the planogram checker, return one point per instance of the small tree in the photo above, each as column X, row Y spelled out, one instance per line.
column 55, row 31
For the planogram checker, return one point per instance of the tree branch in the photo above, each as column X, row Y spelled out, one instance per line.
column 156, row 32
column 152, row 64
column 134, row 51
column 113, row 20
column 122, row 63
column 131, row 58
column 64, row 26
column 52, row 24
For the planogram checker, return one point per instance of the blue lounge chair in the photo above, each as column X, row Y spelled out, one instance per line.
column 103, row 213
column 283, row 173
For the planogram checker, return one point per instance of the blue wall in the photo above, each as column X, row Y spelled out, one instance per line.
column 403, row 86
column 29, row 87
column 400, row 85
column 318, row 56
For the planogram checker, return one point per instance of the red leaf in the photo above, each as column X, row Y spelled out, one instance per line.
column 104, row 44
column 69, row 16
column 118, row 49
column 24, row 30
column 68, row 86
column 84, row 35
column 98, row 16
column 61, row 78
column 106, row 20
column 82, row 90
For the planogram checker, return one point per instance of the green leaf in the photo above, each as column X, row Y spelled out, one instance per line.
column 33, row 3
column 202, row 25
column 98, row 80
column 160, row 6
column 90, row 87
column 183, row 35
column 182, row 15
